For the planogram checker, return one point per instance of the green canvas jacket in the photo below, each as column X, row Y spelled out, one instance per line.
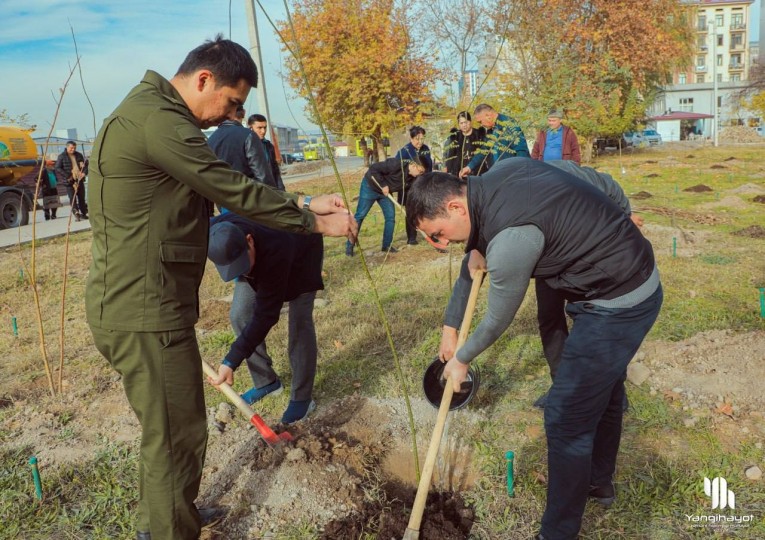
column 150, row 173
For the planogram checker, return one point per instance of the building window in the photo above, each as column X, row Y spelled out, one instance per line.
column 735, row 60
column 686, row 104
column 737, row 20
column 701, row 42
column 736, row 41
column 719, row 102
column 701, row 61
column 719, row 20
column 719, row 60
column 735, row 77
column 720, row 41
column 681, row 78
column 699, row 78
column 719, row 77
column 702, row 22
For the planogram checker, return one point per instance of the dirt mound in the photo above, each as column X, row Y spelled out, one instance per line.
column 748, row 188
column 710, row 368
column 759, row 199
column 641, row 195
column 345, row 474
column 717, row 166
column 698, row 188
column 652, row 175
column 690, row 156
column 755, row 231
column 739, row 134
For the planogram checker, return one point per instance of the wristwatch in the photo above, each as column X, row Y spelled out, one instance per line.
column 306, row 202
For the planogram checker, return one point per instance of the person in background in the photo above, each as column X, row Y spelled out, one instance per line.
column 242, row 149
column 279, row 267
column 415, row 151
column 49, row 191
column 462, row 145
column 71, row 168
column 380, row 180
column 557, row 141
column 152, row 174
column 504, row 140
column 259, row 124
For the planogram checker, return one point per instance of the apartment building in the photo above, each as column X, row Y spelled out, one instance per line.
column 709, row 86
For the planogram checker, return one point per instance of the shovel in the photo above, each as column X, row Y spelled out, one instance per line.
column 266, row 432
column 415, row 520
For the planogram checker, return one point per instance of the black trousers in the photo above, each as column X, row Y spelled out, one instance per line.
column 411, row 232
column 77, row 200
column 553, row 327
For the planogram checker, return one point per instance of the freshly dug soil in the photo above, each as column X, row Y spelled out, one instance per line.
column 759, row 199
column 755, row 231
column 699, row 188
column 641, row 195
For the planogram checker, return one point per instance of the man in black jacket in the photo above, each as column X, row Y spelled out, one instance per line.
column 279, row 267
column 71, row 168
column 380, row 180
column 242, row 149
column 258, row 124
column 525, row 219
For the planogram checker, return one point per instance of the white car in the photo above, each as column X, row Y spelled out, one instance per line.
column 633, row 138
column 652, row 136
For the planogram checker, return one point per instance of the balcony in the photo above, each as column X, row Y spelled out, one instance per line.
column 738, row 66
column 701, row 69
column 702, row 48
column 737, row 27
column 702, row 29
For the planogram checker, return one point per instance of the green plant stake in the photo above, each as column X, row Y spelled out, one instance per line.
column 510, row 456
column 674, row 246
column 15, row 327
column 21, row 274
column 36, row 478
column 762, row 302
column 677, row 188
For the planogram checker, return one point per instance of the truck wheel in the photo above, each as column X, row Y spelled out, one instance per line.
column 13, row 212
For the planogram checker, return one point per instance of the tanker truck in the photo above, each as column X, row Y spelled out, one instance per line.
column 18, row 157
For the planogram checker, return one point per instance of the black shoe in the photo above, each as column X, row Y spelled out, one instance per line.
column 210, row 515
column 541, row 401
column 390, row 249
column 47, row 218
column 349, row 250
column 84, row 216
column 412, row 242
column 603, row 495
column 143, row 535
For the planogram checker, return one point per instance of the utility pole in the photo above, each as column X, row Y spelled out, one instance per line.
column 252, row 29
column 715, row 125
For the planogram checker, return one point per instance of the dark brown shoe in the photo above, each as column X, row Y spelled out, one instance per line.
column 603, row 495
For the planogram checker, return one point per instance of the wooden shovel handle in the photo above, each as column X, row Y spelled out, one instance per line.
column 230, row 393
column 415, row 520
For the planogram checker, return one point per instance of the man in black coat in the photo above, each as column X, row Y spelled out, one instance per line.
column 71, row 168
column 259, row 124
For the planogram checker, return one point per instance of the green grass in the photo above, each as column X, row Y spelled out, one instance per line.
column 711, row 284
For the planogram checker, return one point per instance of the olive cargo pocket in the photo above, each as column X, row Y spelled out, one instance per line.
column 182, row 266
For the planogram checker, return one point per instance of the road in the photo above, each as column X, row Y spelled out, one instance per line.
column 51, row 229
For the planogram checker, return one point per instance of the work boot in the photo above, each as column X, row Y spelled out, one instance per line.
column 298, row 410
column 412, row 242
column 253, row 395
column 210, row 515
column 603, row 495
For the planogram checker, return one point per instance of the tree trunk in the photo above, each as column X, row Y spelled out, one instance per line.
column 586, row 150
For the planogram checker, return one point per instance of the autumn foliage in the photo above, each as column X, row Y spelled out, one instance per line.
column 361, row 64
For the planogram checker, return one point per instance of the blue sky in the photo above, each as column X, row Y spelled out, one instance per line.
column 118, row 41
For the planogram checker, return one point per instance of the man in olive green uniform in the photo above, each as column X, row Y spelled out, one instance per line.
column 151, row 171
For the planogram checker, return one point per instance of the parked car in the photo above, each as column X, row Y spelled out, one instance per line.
column 634, row 138
column 652, row 136
column 293, row 157
column 760, row 130
column 601, row 143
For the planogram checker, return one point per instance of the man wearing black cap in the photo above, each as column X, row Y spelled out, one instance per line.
column 280, row 267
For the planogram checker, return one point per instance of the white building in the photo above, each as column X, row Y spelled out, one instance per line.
column 721, row 62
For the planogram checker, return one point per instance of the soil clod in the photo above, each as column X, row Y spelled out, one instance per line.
column 698, row 188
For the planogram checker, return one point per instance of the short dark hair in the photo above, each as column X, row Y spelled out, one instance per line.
column 426, row 196
column 481, row 108
column 71, row 142
column 256, row 118
column 465, row 115
column 416, row 130
column 228, row 61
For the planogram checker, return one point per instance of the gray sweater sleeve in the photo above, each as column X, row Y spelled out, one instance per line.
column 603, row 181
column 510, row 260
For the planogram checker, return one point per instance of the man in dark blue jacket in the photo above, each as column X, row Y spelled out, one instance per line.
column 415, row 151
column 280, row 267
